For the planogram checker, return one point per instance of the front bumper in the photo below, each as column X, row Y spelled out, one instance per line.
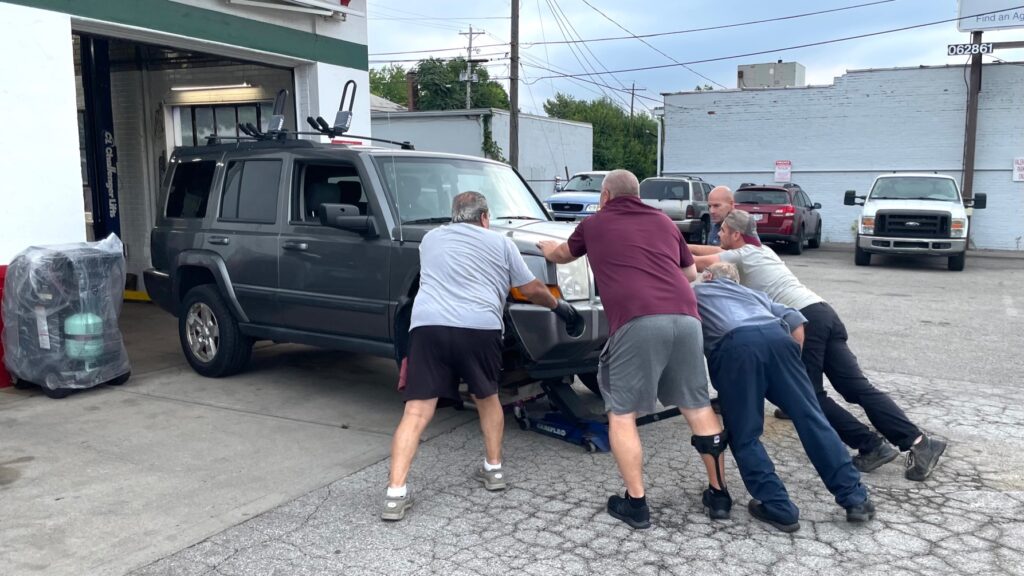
column 158, row 287
column 570, row 216
column 549, row 351
column 921, row 246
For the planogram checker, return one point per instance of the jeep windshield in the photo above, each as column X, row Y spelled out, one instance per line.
column 584, row 183
column 423, row 188
column 915, row 188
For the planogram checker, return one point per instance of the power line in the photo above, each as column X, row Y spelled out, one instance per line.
column 437, row 18
column 799, row 46
column 649, row 45
column 656, row 34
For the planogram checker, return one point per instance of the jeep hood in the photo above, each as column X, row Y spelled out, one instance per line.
column 524, row 233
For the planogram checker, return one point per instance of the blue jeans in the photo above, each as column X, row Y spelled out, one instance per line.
column 751, row 364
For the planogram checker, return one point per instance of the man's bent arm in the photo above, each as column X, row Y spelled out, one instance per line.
column 539, row 294
column 798, row 335
column 703, row 262
column 690, row 272
column 556, row 252
column 702, row 250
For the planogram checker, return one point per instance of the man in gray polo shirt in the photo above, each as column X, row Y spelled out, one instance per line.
column 466, row 272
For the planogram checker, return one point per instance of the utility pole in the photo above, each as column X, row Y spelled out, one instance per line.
column 469, row 64
column 513, row 91
column 971, row 137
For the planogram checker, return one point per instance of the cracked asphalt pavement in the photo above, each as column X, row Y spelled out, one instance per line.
column 949, row 356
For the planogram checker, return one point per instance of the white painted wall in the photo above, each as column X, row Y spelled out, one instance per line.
column 352, row 29
column 40, row 202
column 320, row 86
column 840, row 137
column 546, row 145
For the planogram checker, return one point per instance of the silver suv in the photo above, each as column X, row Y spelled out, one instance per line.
column 684, row 199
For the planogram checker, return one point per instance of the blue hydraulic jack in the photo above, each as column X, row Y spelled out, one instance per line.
column 570, row 420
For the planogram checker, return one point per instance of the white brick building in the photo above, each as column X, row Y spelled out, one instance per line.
column 869, row 122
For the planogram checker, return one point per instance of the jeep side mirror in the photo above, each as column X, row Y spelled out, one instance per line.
column 980, row 201
column 347, row 217
column 851, row 198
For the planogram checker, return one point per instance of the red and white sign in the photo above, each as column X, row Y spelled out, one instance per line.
column 1018, row 169
column 783, row 170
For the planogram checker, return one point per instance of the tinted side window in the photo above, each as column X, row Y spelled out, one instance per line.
column 190, row 189
column 250, row 191
column 317, row 184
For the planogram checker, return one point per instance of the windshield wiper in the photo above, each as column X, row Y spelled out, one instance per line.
column 434, row 220
column 517, row 218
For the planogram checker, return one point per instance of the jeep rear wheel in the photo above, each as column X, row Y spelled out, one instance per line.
column 209, row 334
column 956, row 263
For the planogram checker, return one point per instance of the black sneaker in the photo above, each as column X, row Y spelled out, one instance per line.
column 862, row 512
column 756, row 509
column 875, row 459
column 923, row 457
column 717, row 503
column 638, row 517
column 781, row 415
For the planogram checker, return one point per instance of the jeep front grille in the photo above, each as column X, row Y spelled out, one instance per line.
column 566, row 207
column 903, row 224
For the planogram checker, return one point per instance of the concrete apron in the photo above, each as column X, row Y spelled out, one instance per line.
column 114, row 478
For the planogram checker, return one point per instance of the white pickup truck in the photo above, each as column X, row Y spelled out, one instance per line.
column 915, row 214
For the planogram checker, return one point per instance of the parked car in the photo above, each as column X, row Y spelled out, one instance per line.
column 684, row 199
column 295, row 241
column 579, row 197
column 784, row 213
column 915, row 214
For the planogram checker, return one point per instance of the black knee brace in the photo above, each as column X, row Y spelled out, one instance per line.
column 714, row 446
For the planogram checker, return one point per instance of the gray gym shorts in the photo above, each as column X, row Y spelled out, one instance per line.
column 651, row 359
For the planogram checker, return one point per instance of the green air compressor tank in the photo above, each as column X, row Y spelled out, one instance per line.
column 83, row 336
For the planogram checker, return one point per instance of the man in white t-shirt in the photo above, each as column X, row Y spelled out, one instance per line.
column 826, row 353
column 466, row 272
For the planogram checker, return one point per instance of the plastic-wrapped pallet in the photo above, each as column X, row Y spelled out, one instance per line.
column 61, row 307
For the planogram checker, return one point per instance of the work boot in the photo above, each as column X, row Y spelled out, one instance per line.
column 756, row 509
column 862, row 512
column 394, row 508
column 717, row 503
column 876, row 458
column 632, row 511
column 493, row 480
column 923, row 457
column 781, row 415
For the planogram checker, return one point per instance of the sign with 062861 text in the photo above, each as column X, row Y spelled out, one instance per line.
column 967, row 49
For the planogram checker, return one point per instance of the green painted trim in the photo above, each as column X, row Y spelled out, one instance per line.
column 185, row 20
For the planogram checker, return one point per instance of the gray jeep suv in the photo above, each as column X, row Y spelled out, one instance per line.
column 295, row 241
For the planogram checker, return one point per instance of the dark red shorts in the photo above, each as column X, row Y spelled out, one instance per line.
column 440, row 357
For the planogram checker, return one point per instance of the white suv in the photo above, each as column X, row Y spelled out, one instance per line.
column 917, row 214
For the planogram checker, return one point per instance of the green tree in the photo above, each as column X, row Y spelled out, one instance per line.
column 389, row 82
column 441, row 89
column 619, row 141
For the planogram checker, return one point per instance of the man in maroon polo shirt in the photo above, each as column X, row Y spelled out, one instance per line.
column 643, row 270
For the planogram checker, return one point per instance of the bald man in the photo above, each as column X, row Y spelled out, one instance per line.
column 643, row 268
column 720, row 203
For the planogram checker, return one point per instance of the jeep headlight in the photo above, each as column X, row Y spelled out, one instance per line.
column 958, row 228
column 592, row 208
column 574, row 280
column 867, row 225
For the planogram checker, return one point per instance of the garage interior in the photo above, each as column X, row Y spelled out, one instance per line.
column 136, row 102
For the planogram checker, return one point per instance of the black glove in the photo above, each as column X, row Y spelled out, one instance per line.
column 567, row 313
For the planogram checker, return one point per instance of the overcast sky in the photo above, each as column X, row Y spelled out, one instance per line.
column 407, row 25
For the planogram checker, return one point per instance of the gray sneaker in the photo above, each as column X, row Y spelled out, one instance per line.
column 394, row 508
column 493, row 480
column 923, row 458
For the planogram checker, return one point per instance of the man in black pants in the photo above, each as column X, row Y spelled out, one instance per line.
column 826, row 353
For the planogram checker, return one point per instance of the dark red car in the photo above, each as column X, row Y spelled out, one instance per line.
column 784, row 213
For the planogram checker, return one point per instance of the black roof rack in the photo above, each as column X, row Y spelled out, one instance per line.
column 278, row 134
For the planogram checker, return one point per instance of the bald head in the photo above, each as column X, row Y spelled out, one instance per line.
column 720, row 203
column 621, row 183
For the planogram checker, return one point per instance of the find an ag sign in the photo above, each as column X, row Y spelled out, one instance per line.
column 968, row 49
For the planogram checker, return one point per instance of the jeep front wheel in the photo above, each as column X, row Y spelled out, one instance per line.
column 209, row 334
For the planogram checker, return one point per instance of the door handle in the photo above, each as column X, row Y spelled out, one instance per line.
column 219, row 240
column 292, row 245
